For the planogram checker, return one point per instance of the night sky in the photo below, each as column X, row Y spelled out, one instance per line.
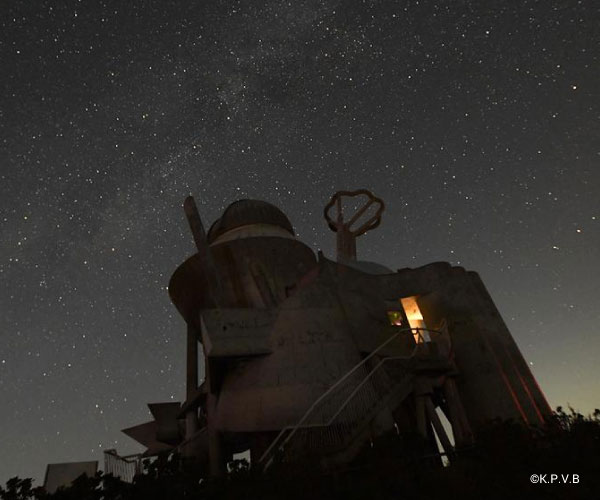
column 477, row 123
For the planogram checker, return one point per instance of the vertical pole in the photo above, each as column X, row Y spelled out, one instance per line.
column 459, row 417
column 422, row 389
column 420, row 414
column 213, row 284
column 215, row 452
column 439, row 428
column 213, row 293
column 454, row 416
column 343, row 236
column 215, row 455
column 191, row 417
column 339, row 235
column 346, row 244
column 346, row 241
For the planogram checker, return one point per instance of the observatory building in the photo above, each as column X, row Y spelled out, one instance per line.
column 304, row 356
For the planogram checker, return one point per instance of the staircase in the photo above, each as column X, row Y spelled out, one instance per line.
column 344, row 418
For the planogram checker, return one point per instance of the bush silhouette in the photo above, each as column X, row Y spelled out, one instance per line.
column 498, row 466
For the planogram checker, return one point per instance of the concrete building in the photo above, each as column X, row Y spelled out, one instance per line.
column 307, row 356
column 62, row 475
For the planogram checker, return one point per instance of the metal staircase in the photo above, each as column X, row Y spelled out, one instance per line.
column 343, row 419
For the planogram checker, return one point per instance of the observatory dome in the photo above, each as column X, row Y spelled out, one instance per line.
column 250, row 218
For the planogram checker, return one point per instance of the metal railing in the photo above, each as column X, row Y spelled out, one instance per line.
column 342, row 412
column 125, row 468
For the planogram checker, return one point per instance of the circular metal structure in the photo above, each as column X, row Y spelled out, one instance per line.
column 346, row 236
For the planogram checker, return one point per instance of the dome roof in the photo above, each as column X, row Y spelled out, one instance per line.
column 247, row 212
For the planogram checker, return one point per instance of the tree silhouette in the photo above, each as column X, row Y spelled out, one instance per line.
column 498, row 466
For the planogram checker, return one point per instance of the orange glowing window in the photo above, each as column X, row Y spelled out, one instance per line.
column 395, row 318
column 414, row 316
column 413, row 313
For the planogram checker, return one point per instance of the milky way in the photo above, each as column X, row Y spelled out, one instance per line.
column 477, row 123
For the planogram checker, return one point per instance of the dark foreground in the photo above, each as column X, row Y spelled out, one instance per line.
column 508, row 462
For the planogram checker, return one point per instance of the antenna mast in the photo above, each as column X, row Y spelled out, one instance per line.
column 345, row 235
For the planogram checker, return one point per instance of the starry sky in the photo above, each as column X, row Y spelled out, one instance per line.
column 477, row 123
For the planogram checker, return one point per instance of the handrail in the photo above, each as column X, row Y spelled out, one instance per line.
column 123, row 467
column 367, row 378
column 280, row 442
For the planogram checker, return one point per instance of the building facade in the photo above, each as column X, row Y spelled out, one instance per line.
column 307, row 356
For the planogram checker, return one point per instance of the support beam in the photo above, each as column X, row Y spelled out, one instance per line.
column 420, row 415
column 191, row 417
column 215, row 451
column 460, row 425
column 213, row 285
column 439, row 428
column 213, row 300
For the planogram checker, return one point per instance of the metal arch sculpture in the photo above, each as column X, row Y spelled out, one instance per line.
column 345, row 235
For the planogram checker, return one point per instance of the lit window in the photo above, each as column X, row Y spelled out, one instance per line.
column 415, row 318
column 395, row 318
